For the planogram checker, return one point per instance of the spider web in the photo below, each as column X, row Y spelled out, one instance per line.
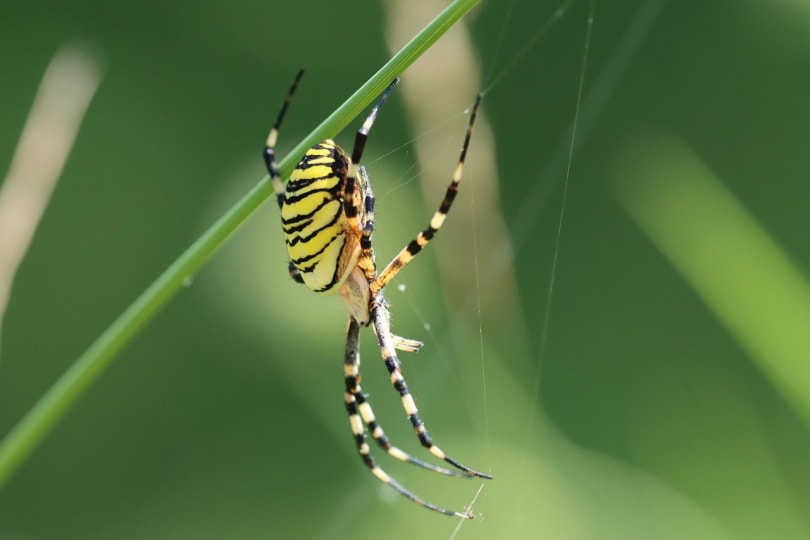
column 557, row 173
column 441, row 367
column 482, row 287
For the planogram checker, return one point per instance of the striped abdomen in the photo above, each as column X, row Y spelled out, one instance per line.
column 316, row 230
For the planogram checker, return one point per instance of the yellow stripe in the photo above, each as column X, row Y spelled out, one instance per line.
column 314, row 220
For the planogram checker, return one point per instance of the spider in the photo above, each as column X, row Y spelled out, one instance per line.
column 327, row 215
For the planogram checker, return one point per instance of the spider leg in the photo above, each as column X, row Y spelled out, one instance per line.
column 366, row 260
column 272, row 165
column 410, row 251
column 357, row 403
column 382, row 325
column 360, row 213
column 361, row 415
column 270, row 145
column 362, row 133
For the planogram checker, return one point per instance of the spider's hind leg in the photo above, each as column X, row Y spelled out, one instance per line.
column 381, row 320
column 361, row 416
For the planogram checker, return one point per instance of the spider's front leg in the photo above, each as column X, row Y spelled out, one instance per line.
column 270, row 145
column 270, row 159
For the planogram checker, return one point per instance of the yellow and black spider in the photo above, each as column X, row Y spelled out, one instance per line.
column 327, row 214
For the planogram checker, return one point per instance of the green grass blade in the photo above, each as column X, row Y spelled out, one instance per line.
column 38, row 422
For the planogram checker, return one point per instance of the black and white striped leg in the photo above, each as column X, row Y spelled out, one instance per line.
column 381, row 320
column 367, row 220
column 416, row 245
column 358, row 200
column 272, row 165
column 362, row 133
column 366, row 261
column 272, row 138
column 361, row 416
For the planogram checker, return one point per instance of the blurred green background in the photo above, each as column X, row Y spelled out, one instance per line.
column 648, row 417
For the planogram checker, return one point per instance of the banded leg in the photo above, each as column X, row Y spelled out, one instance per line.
column 382, row 326
column 272, row 138
column 361, row 415
column 272, row 165
column 360, row 202
column 366, row 260
column 410, row 251
column 362, row 133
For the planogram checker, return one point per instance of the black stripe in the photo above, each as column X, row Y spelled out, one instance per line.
column 292, row 198
column 367, row 459
column 391, row 364
column 427, row 442
column 305, row 163
column 289, row 230
column 306, row 239
column 449, row 197
column 351, row 407
column 301, row 217
column 335, row 156
column 348, row 198
column 298, row 262
column 416, row 422
column 401, row 387
column 414, row 247
column 335, row 276
column 295, row 185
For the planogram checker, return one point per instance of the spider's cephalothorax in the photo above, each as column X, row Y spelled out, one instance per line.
column 327, row 214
